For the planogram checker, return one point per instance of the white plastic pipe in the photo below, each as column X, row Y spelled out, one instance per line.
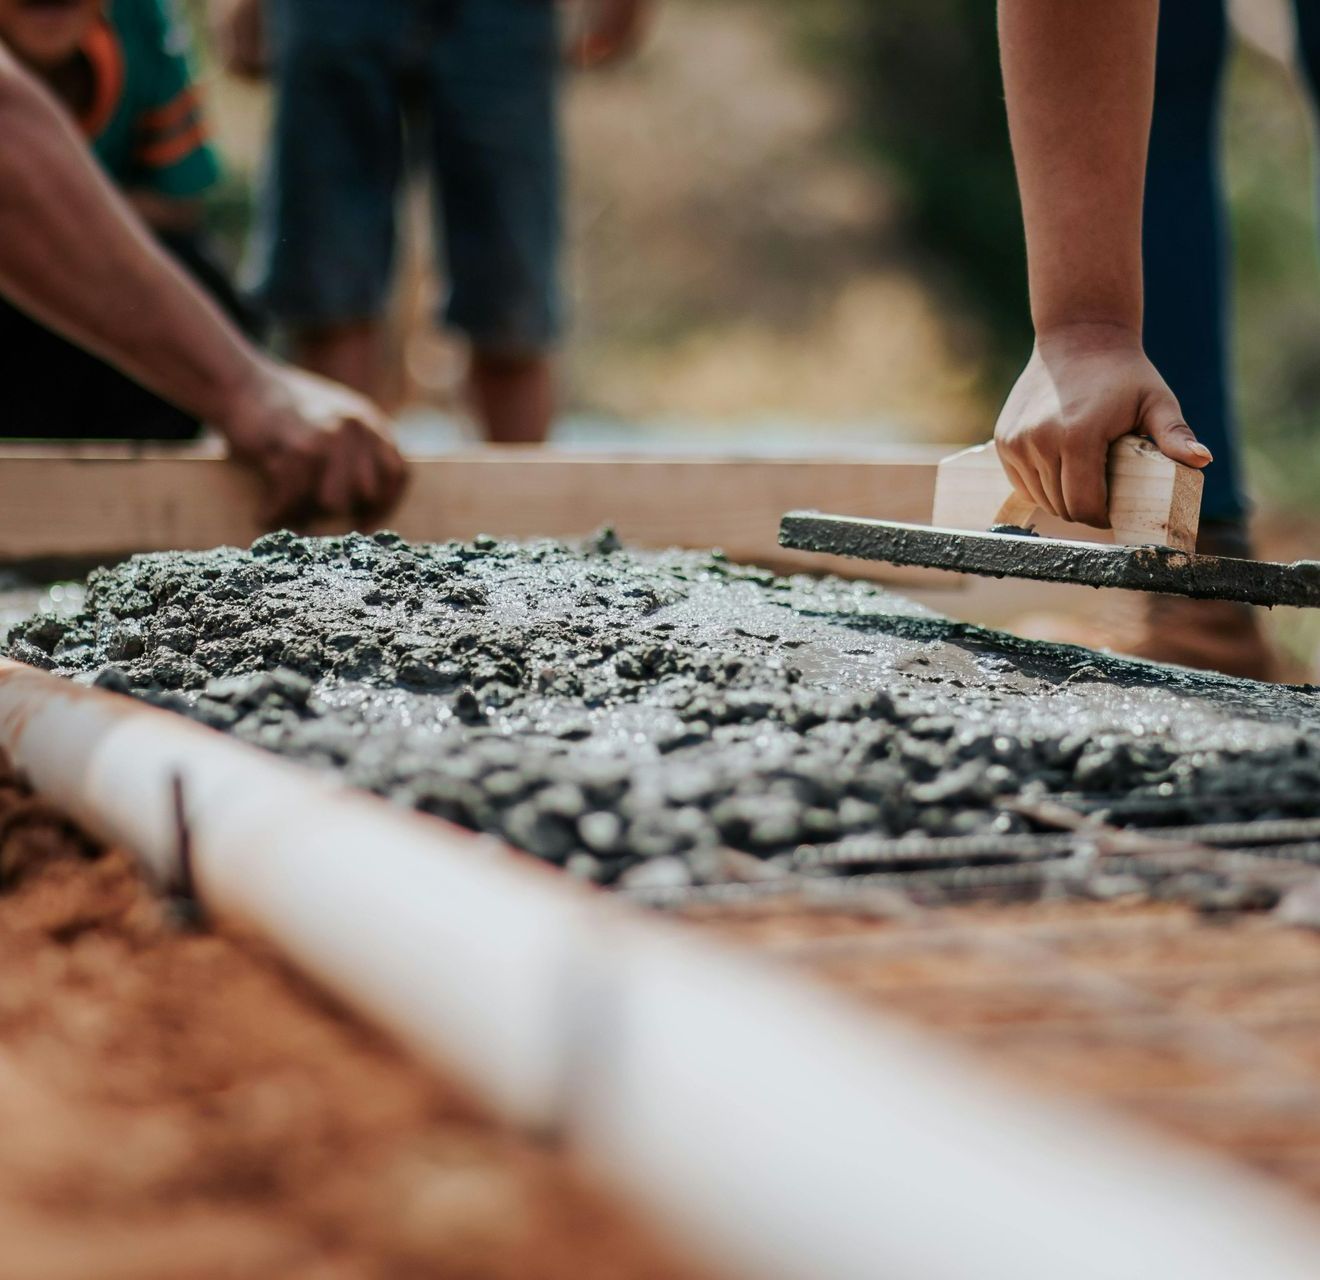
column 782, row 1132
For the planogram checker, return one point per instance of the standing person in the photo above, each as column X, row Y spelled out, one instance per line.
column 1081, row 87
column 74, row 256
column 477, row 82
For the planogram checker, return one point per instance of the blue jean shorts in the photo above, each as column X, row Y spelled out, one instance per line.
column 362, row 87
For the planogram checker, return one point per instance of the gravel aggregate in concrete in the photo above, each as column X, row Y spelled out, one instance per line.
column 634, row 715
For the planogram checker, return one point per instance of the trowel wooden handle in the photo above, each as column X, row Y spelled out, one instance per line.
column 1017, row 511
column 1152, row 499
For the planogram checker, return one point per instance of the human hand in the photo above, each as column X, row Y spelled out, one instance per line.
column 610, row 31
column 240, row 36
column 1084, row 387
column 320, row 448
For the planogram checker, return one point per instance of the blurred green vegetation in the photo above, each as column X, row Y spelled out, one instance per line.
column 924, row 76
column 1270, row 170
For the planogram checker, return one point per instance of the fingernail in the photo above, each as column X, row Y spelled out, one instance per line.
column 1199, row 450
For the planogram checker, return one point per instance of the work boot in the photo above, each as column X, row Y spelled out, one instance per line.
column 1210, row 635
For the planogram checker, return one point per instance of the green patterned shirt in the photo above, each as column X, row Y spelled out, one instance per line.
column 145, row 122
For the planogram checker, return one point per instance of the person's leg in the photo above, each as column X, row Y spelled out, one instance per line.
column 349, row 352
column 324, row 248
column 117, row 408
column 44, row 377
column 1185, row 241
column 514, row 396
column 493, row 106
column 58, row 392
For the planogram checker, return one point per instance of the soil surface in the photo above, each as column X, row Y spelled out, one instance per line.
column 176, row 1105
column 1207, row 1030
column 656, row 718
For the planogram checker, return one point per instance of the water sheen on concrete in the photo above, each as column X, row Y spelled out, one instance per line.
column 634, row 713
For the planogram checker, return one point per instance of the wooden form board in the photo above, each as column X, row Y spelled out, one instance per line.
column 106, row 502
column 1152, row 499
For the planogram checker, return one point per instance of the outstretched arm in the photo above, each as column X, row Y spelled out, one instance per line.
column 74, row 255
column 1079, row 82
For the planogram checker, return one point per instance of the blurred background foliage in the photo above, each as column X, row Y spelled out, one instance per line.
column 1271, row 177
column 927, row 109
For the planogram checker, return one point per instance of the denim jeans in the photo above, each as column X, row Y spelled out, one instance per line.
column 363, row 87
column 1186, row 236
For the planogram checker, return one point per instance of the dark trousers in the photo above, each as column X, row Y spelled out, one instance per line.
column 54, row 390
column 1186, row 235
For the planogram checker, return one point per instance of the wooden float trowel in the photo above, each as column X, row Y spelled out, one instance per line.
column 979, row 525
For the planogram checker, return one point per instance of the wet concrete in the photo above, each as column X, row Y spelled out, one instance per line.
column 1009, row 552
column 634, row 715
column 22, row 596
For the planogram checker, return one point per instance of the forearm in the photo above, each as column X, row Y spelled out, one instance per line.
column 1079, row 81
column 74, row 256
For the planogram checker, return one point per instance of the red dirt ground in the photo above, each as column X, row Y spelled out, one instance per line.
column 1207, row 1031
column 175, row 1105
